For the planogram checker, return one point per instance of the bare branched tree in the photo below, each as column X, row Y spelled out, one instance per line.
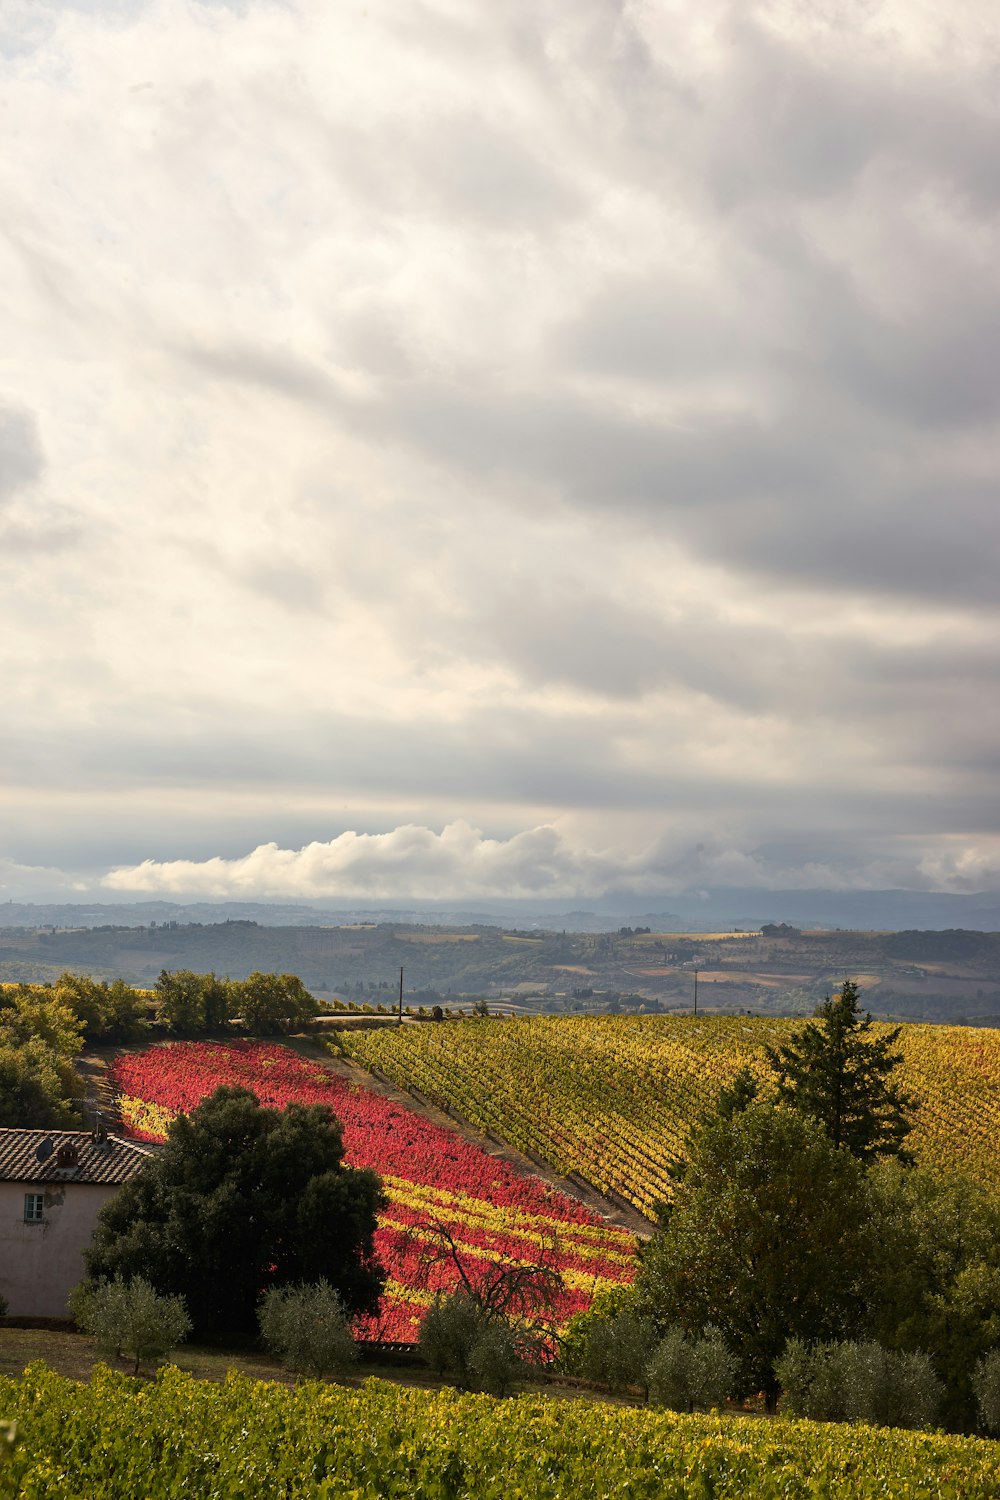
column 499, row 1285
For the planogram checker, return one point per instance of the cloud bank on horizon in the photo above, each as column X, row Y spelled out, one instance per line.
column 498, row 449
column 537, row 863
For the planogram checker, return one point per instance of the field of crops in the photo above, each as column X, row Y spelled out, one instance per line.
column 121, row 1439
column 430, row 1173
column 613, row 1097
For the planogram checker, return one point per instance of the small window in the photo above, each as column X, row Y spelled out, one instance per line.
column 34, row 1203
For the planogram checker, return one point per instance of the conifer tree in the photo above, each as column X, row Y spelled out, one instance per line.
column 837, row 1071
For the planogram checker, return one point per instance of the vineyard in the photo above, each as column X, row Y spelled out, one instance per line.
column 613, row 1097
column 122, row 1439
column 431, row 1175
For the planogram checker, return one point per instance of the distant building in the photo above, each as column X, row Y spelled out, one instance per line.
column 53, row 1184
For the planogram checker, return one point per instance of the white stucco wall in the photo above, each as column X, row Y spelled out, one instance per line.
column 40, row 1263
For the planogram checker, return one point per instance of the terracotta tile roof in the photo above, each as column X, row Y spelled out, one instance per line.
column 68, row 1156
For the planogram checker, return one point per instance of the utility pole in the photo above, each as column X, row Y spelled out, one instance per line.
column 696, row 991
column 400, row 997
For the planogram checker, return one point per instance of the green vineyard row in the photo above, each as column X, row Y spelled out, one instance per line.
column 122, row 1439
column 613, row 1097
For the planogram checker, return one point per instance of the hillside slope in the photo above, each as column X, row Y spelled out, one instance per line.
column 613, row 1097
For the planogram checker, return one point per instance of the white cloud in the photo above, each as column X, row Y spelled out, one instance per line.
column 409, row 859
column 416, row 863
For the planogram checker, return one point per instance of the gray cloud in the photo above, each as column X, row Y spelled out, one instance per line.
column 576, row 425
column 21, row 460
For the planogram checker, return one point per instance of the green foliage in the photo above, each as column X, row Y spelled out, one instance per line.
column 264, row 1004
column 986, row 1383
column 30, row 1013
column 39, row 1039
column 177, row 1437
column 271, row 1003
column 130, row 1317
column 469, row 1346
column 449, row 1331
column 241, row 1199
column 937, row 1281
column 496, row 1358
column 737, row 1096
column 307, row 1328
column 615, row 1351
column 108, row 1012
column 189, row 1003
column 690, row 1373
column 33, row 1090
column 768, row 1238
column 8, row 1445
column 835, row 1070
column 858, row 1382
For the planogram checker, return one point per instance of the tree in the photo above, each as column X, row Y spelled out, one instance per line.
column 217, row 1002
column 766, row 1238
column 500, row 1315
column 987, row 1387
column 130, row 1317
column 181, row 1001
column 737, row 1096
column 307, row 1328
column 835, row 1070
column 39, row 1040
column 858, row 1382
column 502, row 1286
column 271, row 1003
column 474, row 1349
column 36, row 1015
column 688, row 1373
column 33, row 1091
column 937, row 1282
column 243, row 1198
column 107, row 1011
column 615, row 1351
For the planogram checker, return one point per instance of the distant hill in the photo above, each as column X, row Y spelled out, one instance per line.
column 696, row 911
column 918, row 975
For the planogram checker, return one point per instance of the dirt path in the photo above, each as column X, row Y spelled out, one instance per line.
column 92, row 1066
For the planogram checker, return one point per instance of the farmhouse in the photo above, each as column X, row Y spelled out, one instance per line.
column 53, row 1184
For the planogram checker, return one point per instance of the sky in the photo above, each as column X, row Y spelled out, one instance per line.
column 458, row 449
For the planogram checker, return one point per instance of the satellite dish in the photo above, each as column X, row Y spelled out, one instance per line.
column 44, row 1149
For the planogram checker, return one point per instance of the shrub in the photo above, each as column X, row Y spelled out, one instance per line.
column 888, row 1388
column 986, row 1383
column 307, row 1328
column 858, row 1382
column 495, row 1359
column 690, row 1374
column 448, row 1334
column 130, row 1317
column 615, row 1351
column 470, row 1347
column 711, row 1371
column 811, row 1381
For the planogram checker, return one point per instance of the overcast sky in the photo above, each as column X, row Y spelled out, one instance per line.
column 458, row 448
